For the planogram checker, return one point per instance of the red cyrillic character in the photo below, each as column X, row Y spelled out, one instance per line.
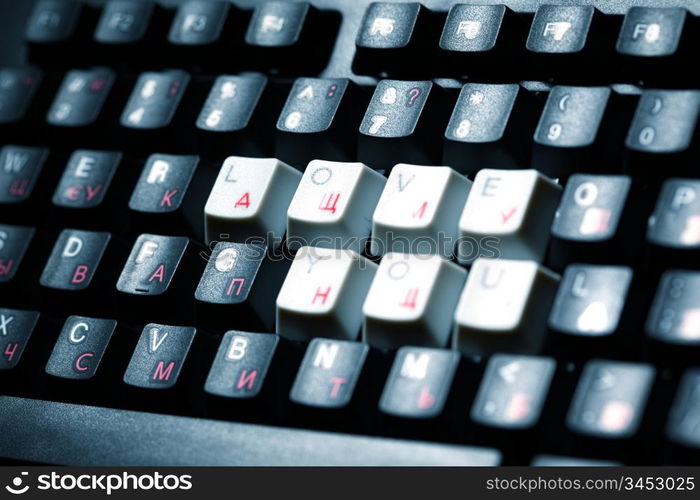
column 80, row 274
column 163, row 374
column 418, row 214
column 6, row 267
column 240, row 281
column 409, row 300
column 247, row 379
column 10, row 350
column 243, row 201
column 337, row 382
column 329, row 202
column 158, row 273
column 167, row 197
column 322, row 295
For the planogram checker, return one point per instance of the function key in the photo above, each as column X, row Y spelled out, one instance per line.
column 411, row 301
column 14, row 241
column 391, row 37
column 198, row 22
column 651, row 31
column 154, row 100
column 514, row 208
column 322, row 294
column 17, row 88
column 329, row 373
column 503, row 307
column 53, row 21
column 19, row 169
column 80, row 346
column 419, row 382
column 513, row 391
column 610, row 399
column 16, row 327
column 674, row 317
column 291, row 37
column 558, row 29
column 159, row 355
column 241, row 364
column 79, row 100
column 124, row 21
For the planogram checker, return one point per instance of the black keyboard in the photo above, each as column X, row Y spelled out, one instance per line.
column 349, row 232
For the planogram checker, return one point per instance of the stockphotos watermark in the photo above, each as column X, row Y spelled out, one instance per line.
column 107, row 484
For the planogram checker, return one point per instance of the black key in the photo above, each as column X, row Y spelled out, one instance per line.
column 53, row 21
column 558, row 29
column 74, row 259
column 155, row 99
column 674, row 317
column 683, row 425
column 86, row 179
column 664, row 123
column 14, row 241
column 513, row 391
column 590, row 300
column 17, row 89
column 392, row 37
column 198, row 22
column 570, row 136
column 159, row 355
column 81, row 96
column 610, row 399
column 398, row 126
column 329, row 373
column 314, row 122
column 16, row 328
column 80, row 346
column 486, row 128
column 476, row 35
column 19, row 169
column 167, row 196
column 241, row 280
column 597, row 220
column 124, row 21
column 289, row 37
column 419, row 382
column 241, row 364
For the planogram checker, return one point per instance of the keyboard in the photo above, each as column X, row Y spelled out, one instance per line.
column 344, row 232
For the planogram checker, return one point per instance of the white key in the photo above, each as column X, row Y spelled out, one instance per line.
column 250, row 198
column 333, row 205
column 504, row 306
column 419, row 210
column 322, row 294
column 516, row 207
column 411, row 301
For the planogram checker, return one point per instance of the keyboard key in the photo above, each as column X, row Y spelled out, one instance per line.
column 411, row 301
column 250, row 199
column 333, row 206
column 513, row 391
column 388, row 25
column 472, row 28
column 16, row 328
column 159, row 355
column 154, row 100
column 610, row 399
column 675, row 316
column 277, row 24
column 14, row 241
column 163, row 183
column 231, row 102
column 240, row 280
column 558, row 29
column 241, row 364
column 80, row 98
column 399, row 124
column 322, row 294
column 315, row 119
column 590, row 300
column 86, row 179
column 503, row 307
column 561, row 461
column 589, row 222
column 516, row 207
column 676, row 219
column 53, row 21
column 419, row 382
column 651, row 32
column 74, row 259
column 418, row 210
column 485, row 129
column 683, row 419
column 17, row 89
column 198, row 22
column 152, row 264
column 80, row 346
column 329, row 372
column 19, row 169
column 124, row 21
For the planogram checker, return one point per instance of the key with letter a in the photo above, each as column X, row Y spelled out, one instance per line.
column 511, row 211
column 250, row 199
column 322, row 294
column 504, row 306
column 411, row 301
